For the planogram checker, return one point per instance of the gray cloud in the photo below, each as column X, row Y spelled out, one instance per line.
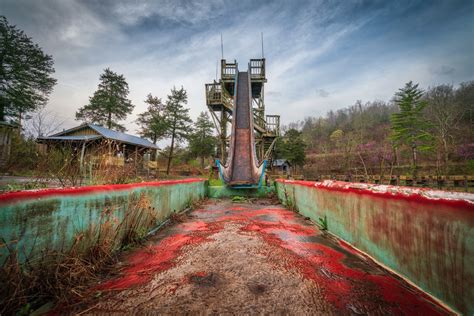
column 354, row 49
column 442, row 70
column 322, row 93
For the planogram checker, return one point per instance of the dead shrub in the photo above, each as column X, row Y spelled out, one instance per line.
column 65, row 277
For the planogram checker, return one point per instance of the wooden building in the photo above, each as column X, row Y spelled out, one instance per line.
column 96, row 142
column 281, row 166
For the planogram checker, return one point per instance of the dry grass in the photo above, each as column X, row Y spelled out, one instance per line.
column 104, row 173
column 61, row 165
column 65, row 277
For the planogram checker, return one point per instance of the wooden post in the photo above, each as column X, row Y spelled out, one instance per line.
column 136, row 161
column 124, row 156
column 156, row 160
column 82, row 156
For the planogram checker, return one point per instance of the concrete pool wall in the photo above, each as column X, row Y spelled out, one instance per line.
column 31, row 221
column 426, row 236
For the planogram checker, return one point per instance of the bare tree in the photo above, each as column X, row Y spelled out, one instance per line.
column 43, row 122
column 444, row 115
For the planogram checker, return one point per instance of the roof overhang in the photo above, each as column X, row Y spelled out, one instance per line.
column 103, row 133
column 76, row 138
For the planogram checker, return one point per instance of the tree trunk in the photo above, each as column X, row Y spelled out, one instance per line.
column 202, row 162
column 109, row 121
column 446, row 156
column 19, row 123
column 171, row 153
column 438, row 163
column 395, row 151
column 365, row 168
column 382, row 168
column 393, row 161
column 413, row 148
column 391, row 170
column 2, row 109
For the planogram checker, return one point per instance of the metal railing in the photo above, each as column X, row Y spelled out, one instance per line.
column 216, row 95
column 213, row 93
column 272, row 124
column 258, row 120
column 228, row 70
column 257, row 68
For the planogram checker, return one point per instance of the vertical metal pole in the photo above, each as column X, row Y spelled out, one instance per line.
column 222, row 47
column 262, row 46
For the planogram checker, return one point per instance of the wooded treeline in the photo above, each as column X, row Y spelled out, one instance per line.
column 362, row 139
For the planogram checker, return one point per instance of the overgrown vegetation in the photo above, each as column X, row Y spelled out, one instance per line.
column 61, row 166
column 239, row 199
column 216, row 182
column 291, row 147
column 65, row 276
column 202, row 142
column 26, row 83
column 377, row 138
column 323, row 223
column 288, row 202
column 178, row 120
column 152, row 122
column 25, row 73
column 22, row 186
column 109, row 104
column 409, row 128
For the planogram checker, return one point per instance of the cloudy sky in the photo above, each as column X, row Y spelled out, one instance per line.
column 321, row 55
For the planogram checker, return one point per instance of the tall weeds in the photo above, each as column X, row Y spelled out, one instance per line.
column 66, row 276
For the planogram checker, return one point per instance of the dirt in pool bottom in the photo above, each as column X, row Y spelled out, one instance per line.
column 253, row 258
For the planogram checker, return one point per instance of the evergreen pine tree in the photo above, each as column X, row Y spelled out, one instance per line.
column 291, row 147
column 25, row 73
column 202, row 142
column 109, row 104
column 178, row 122
column 152, row 122
column 408, row 125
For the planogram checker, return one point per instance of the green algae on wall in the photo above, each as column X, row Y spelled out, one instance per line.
column 429, row 241
column 217, row 192
column 50, row 219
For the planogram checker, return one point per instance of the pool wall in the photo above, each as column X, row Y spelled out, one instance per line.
column 426, row 236
column 32, row 221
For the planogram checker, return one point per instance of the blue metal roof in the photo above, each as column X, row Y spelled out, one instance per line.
column 122, row 137
column 104, row 132
column 280, row 162
column 76, row 137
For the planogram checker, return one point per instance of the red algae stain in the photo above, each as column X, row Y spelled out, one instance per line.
column 143, row 264
column 350, row 287
column 341, row 284
column 34, row 194
column 239, row 208
column 393, row 192
column 200, row 274
column 194, row 226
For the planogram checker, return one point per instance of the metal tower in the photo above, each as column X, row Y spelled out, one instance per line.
column 220, row 99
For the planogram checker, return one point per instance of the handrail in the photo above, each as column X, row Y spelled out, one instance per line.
column 257, row 68
column 215, row 94
column 272, row 124
column 228, row 70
